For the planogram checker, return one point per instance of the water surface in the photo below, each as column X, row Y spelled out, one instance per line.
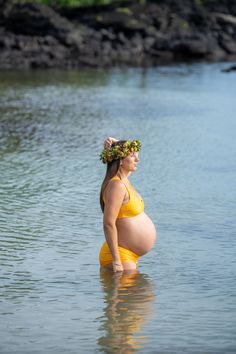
column 53, row 297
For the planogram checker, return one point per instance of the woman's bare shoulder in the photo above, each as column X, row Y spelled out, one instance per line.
column 115, row 186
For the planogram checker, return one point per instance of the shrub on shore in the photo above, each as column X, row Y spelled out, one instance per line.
column 85, row 3
column 76, row 3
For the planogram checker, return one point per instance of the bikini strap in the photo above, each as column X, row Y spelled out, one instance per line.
column 116, row 178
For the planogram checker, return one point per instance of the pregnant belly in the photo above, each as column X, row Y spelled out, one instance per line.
column 137, row 233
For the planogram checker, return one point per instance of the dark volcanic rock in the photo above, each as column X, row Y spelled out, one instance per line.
column 37, row 19
column 33, row 35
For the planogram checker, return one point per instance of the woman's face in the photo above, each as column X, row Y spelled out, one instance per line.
column 130, row 162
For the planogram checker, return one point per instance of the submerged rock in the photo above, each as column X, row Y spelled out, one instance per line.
column 231, row 68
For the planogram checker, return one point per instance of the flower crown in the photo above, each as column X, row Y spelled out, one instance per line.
column 117, row 152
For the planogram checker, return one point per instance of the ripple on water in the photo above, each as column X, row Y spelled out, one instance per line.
column 51, row 127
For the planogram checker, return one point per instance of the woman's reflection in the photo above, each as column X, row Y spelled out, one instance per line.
column 128, row 305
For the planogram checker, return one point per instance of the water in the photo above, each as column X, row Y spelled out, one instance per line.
column 53, row 297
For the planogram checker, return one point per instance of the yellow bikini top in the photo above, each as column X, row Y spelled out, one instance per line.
column 135, row 204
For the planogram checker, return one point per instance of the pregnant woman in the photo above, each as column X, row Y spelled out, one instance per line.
column 129, row 232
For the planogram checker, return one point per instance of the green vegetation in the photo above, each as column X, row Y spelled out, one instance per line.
column 99, row 18
column 66, row 3
column 132, row 23
column 124, row 10
column 81, row 3
column 74, row 3
column 198, row 2
column 184, row 24
column 202, row 2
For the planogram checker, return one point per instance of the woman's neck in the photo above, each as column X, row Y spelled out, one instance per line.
column 123, row 174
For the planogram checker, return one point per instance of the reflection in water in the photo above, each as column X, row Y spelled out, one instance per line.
column 128, row 305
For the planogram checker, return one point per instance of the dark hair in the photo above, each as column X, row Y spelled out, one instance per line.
column 112, row 169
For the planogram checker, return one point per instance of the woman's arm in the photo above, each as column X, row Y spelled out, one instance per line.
column 114, row 196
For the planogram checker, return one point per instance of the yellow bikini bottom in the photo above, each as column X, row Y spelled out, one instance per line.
column 105, row 256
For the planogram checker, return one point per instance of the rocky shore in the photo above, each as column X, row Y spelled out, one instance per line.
column 133, row 33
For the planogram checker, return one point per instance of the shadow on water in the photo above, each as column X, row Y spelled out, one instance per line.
column 128, row 299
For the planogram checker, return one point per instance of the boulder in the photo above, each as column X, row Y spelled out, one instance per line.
column 35, row 19
column 227, row 43
column 191, row 46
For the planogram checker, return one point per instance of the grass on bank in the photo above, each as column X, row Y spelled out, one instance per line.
column 81, row 3
column 65, row 3
column 74, row 3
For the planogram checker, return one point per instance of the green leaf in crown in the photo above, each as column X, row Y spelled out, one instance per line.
column 117, row 152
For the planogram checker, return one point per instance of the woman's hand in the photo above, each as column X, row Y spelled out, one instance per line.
column 117, row 267
column 108, row 142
